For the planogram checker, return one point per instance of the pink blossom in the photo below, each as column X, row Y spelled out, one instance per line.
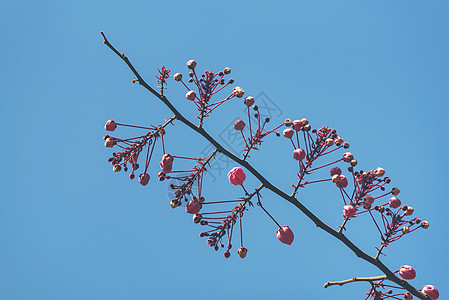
column 348, row 211
column 297, row 125
column 193, row 207
column 166, row 163
column 190, row 95
column 144, row 178
column 368, row 199
column 249, row 101
column 347, row 157
column 394, row 202
column 288, row 133
column 236, row 176
column 285, row 235
column 343, row 182
column 431, row 291
column 407, row 272
column 239, row 125
column 299, row 154
column 335, row 171
column 110, row 125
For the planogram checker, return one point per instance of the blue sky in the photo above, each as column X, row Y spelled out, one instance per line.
column 72, row 229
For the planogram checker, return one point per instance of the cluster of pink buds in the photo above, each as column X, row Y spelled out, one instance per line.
column 381, row 290
column 206, row 86
column 132, row 148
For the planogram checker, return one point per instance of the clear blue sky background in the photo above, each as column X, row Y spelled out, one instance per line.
column 72, row 229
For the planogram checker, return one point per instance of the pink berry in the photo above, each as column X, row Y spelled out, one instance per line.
column 347, row 157
column 348, row 211
column 249, row 101
column 335, row 171
column 343, row 182
column 166, row 163
column 242, row 251
column 407, row 272
column 431, row 291
column 236, row 176
column 285, row 235
column 190, row 95
column 144, row 178
column 394, row 202
column 368, row 199
column 109, row 143
column 297, row 125
column 110, row 125
column 239, row 125
column 191, row 64
column 238, row 92
column 299, row 154
column 193, row 207
column 288, row 133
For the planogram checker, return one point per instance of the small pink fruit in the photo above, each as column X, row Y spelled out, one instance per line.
column 238, row 92
column 249, row 101
column 407, row 272
column 368, row 199
column 191, row 64
column 193, row 207
column 110, row 125
column 190, row 95
column 297, row 125
column 239, row 125
column 329, row 142
column 348, row 211
column 227, row 70
column 242, row 252
column 236, row 176
column 299, row 154
column 379, row 172
column 409, row 211
column 394, row 202
column 335, row 171
column 178, row 76
column 144, row 178
column 335, row 178
column 109, row 143
column 285, row 235
column 431, row 291
column 343, row 182
column 288, row 133
column 166, row 163
column 347, row 157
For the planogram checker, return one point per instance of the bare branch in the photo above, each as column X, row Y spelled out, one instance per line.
column 343, row 282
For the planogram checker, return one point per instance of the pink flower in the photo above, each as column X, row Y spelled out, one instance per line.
column 191, row 64
column 368, row 199
column 190, row 95
column 288, row 133
column 407, row 272
column 299, row 154
column 110, row 125
column 343, row 182
column 285, row 235
column 166, row 163
column 238, row 92
column 239, row 125
column 394, row 202
column 347, row 157
column 335, row 171
column 249, row 101
column 297, row 125
column 431, row 291
column 193, row 207
column 236, row 176
column 348, row 211
column 144, row 178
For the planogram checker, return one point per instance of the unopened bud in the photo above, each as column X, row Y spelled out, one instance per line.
column 405, row 230
column 425, row 224
column 288, row 122
column 242, row 252
column 227, row 70
column 329, row 142
column 395, row 191
column 178, row 76
column 191, row 64
column 197, row 218
column 116, row 168
column 353, row 163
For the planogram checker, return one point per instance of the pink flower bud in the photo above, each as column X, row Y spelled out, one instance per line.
column 236, row 176
column 343, row 182
column 431, row 291
column 191, row 64
column 110, row 125
column 347, row 157
column 238, row 92
column 335, row 178
column 368, row 199
column 178, row 76
column 227, row 70
column 304, row 121
column 166, row 163
column 299, row 154
column 407, row 272
column 297, row 125
column 239, row 125
column 193, row 207
column 348, row 211
column 329, row 142
column 144, row 178
column 249, row 101
column 242, row 252
column 409, row 211
column 190, row 95
column 288, row 133
column 109, row 143
column 285, row 235
column 379, row 172
column 335, row 171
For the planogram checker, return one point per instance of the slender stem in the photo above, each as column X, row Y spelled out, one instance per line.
column 354, row 279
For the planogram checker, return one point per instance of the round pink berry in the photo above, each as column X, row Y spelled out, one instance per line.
column 394, row 202
column 166, row 163
column 368, row 199
column 190, row 95
column 193, row 207
column 249, row 101
column 144, row 178
column 299, row 154
column 239, row 125
column 343, row 182
column 191, row 64
column 335, row 171
column 347, row 157
column 288, row 133
column 407, row 272
column 110, row 125
column 236, row 176
column 297, row 125
column 285, row 235
column 348, row 211
column 430, row 291
column 238, row 92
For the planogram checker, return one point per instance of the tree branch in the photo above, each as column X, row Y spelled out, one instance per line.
column 268, row 185
column 354, row 279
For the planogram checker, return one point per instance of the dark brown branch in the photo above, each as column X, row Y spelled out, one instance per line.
column 343, row 282
column 290, row 198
